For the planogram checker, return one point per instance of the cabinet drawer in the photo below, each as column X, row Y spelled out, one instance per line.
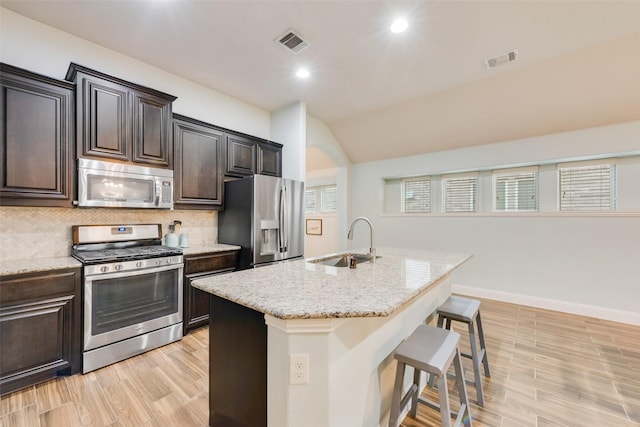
column 26, row 287
column 211, row 262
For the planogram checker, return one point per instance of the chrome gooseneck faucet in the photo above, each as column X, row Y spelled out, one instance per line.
column 372, row 236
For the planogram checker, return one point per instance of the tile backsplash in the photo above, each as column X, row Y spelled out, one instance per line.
column 27, row 232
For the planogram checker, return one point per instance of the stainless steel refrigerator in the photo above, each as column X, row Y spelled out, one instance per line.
column 264, row 215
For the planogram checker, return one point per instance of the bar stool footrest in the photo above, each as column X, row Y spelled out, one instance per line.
column 413, row 390
column 456, row 415
column 481, row 355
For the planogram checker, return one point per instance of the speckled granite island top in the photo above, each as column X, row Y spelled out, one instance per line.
column 306, row 290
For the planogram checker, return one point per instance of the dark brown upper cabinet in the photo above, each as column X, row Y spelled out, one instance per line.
column 198, row 164
column 247, row 156
column 37, row 155
column 121, row 121
column 241, row 156
column 269, row 160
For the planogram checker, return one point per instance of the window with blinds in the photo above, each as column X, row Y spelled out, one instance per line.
column 328, row 198
column 416, row 195
column 320, row 199
column 310, row 200
column 460, row 193
column 587, row 187
column 516, row 190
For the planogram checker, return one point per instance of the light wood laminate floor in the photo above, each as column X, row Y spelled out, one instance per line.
column 547, row 369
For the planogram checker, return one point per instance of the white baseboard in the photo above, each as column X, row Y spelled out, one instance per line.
column 621, row 316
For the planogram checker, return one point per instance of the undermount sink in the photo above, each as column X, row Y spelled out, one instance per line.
column 342, row 260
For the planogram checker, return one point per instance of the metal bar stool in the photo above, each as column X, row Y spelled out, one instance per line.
column 432, row 350
column 468, row 311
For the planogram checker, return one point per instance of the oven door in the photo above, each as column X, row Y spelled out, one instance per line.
column 122, row 305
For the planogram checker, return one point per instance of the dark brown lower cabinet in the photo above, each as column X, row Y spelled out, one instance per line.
column 237, row 366
column 40, row 335
column 196, row 302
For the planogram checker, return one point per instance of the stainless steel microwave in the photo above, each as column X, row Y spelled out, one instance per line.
column 118, row 185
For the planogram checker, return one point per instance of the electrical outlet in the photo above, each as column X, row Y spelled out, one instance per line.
column 299, row 368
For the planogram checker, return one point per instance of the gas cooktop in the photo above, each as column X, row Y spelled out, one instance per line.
column 124, row 254
column 94, row 244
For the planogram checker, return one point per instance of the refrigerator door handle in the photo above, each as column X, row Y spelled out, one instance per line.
column 283, row 232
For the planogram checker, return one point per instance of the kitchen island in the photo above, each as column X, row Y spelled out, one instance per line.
column 342, row 323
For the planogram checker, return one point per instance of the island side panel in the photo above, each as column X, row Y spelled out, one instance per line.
column 351, row 364
column 237, row 365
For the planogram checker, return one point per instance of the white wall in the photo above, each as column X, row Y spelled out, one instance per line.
column 42, row 49
column 585, row 263
column 328, row 242
column 289, row 127
column 321, row 137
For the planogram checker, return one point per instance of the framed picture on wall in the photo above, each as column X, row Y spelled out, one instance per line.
column 314, row 227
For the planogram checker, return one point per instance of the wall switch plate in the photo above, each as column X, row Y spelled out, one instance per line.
column 299, row 368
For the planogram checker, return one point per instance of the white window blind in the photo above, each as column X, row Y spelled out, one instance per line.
column 516, row 190
column 310, row 200
column 320, row 199
column 416, row 195
column 588, row 187
column 329, row 199
column 460, row 193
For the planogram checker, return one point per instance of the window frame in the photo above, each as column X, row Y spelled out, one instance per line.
column 470, row 176
column 403, row 191
column 515, row 173
column 593, row 164
column 320, row 198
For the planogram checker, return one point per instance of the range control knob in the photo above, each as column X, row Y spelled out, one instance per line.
column 104, row 269
column 139, row 264
column 118, row 267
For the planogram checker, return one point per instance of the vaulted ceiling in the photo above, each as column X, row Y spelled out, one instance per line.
column 382, row 94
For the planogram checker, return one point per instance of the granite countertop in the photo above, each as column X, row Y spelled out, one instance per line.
column 216, row 247
column 34, row 265
column 305, row 290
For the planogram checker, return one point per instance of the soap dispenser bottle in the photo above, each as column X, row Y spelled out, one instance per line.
column 171, row 238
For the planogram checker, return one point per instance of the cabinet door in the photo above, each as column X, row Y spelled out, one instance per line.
column 104, row 128
column 196, row 302
column 152, row 127
column 40, row 335
column 269, row 159
column 36, row 159
column 198, row 159
column 241, row 156
column 121, row 120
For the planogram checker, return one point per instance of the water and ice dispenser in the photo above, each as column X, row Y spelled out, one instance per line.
column 269, row 235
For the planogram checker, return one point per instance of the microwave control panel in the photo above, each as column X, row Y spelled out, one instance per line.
column 167, row 192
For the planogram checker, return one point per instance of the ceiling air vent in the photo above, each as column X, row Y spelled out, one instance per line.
column 292, row 42
column 503, row 58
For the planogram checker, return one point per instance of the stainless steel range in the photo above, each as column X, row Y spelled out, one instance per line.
column 132, row 291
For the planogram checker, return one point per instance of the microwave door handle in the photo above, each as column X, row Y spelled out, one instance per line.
column 158, row 192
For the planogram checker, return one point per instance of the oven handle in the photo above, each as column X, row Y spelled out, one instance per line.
column 149, row 270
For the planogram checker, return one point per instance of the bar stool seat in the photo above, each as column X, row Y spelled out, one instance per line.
column 432, row 350
column 467, row 310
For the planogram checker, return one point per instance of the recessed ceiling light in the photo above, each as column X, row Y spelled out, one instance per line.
column 399, row 25
column 302, row 73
